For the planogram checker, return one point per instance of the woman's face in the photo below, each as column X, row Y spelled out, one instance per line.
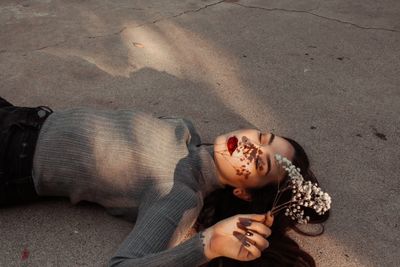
column 245, row 158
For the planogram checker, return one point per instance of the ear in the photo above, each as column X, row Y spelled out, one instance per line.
column 242, row 194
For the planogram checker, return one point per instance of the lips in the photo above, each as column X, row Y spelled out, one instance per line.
column 232, row 144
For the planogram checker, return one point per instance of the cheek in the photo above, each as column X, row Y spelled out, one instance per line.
column 242, row 167
column 239, row 168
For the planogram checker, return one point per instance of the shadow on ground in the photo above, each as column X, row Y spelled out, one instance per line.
column 322, row 73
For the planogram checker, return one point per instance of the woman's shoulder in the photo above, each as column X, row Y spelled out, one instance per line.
column 186, row 123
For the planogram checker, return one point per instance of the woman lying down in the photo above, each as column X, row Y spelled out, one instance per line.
column 229, row 203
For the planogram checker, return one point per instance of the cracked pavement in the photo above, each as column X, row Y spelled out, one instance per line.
column 325, row 73
column 317, row 15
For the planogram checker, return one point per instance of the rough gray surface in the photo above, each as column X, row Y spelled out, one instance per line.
column 323, row 72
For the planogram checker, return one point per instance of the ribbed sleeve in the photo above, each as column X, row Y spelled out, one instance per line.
column 189, row 253
column 149, row 242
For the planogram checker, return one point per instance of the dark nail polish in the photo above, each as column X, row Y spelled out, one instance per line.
column 239, row 236
column 249, row 233
column 245, row 222
column 246, row 244
column 241, row 226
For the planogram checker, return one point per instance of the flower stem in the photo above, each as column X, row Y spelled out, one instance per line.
column 278, row 195
column 275, row 211
column 282, row 205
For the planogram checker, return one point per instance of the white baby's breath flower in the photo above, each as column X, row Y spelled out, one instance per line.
column 304, row 194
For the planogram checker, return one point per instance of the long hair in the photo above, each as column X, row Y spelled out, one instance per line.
column 282, row 251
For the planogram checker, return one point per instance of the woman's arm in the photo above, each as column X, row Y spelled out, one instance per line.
column 241, row 237
column 147, row 244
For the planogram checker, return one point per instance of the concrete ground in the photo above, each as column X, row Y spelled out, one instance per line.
column 325, row 73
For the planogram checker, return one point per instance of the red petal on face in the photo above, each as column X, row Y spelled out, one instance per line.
column 232, row 144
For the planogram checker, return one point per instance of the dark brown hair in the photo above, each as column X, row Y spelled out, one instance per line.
column 282, row 251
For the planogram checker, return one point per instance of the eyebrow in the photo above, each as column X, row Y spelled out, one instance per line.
column 268, row 156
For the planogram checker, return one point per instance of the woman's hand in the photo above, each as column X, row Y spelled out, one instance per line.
column 241, row 237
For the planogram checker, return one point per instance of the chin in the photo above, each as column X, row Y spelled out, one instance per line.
column 220, row 142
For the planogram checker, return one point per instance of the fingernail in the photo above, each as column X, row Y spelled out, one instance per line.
column 249, row 233
column 246, row 244
column 241, row 226
column 245, row 222
column 239, row 236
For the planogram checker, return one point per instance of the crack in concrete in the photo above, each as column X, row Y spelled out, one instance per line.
column 121, row 30
column 209, row 5
column 33, row 50
column 158, row 20
column 47, row 46
column 105, row 35
column 190, row 11
column 317, row 15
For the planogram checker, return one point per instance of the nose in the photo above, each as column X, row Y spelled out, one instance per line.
column 251, row 150
column 264, row 151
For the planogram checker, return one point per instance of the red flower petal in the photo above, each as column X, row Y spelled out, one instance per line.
column 232, row 144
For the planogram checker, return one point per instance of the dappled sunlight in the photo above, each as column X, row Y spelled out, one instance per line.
column 92, row 23
column 187, row 55
column 187, row 220
column 113, row 66
column 168, row 47
column 325, row 77
column 116, row 160
column 315, row 245
column 111, row 173
column 107, row 148
column 149, row 49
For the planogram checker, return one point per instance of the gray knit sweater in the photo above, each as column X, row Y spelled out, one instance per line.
column 146, row 169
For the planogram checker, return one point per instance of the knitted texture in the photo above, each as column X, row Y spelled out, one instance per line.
column 145, row 169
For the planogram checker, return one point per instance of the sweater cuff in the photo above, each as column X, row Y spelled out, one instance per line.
column 195, row 250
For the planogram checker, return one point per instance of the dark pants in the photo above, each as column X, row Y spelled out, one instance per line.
column 19, row 130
